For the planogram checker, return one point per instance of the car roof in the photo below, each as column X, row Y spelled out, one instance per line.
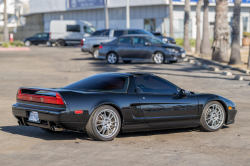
column 129, row 73
column 139, row 35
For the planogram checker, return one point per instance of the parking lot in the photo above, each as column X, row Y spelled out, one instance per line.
column 52, row 67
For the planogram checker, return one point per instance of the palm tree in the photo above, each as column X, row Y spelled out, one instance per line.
column 221, row 32
column 198, row 27
column 5, row 27
column 205, row 44
column 186, row 42
column 171, row 24
column 235, row 46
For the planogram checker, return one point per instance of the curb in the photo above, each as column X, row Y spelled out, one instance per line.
column 246, row 71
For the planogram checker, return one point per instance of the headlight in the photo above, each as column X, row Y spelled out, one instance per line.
column 165, row 39
column 171, row 50
column 181, row 50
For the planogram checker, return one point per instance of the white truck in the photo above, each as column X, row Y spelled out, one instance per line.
column 64, row 32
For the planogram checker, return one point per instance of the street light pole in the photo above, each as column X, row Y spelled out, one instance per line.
column 5, row 24
column 106, row 14
column 127, row 15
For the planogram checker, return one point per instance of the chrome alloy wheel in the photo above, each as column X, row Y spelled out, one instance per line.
column 107, row 123
column 158, row 58
column 214, row 116
column 112, row 58
column 96, row 53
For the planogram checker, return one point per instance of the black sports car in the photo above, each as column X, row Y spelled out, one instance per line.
column 39, row 38
column 105, row 104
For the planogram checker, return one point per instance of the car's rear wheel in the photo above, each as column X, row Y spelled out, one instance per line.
column 104, row 124
column 95, row 52
column 126, row 61
column 27, row 43
column 159, row 58
column 61, row 43
column 112, row 58
column 213, row 117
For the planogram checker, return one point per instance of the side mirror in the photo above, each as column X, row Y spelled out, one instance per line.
column 147, row 44
column 183, row 93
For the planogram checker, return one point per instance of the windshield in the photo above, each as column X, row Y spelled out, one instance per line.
column 102, row 82
column 98, row 33
column 89, row 29
column 155, row 40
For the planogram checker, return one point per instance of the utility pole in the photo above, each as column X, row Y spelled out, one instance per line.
column 127, row 15
column 5, row 27
column 106, row 14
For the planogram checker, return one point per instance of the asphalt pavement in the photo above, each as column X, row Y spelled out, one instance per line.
column 53, row 67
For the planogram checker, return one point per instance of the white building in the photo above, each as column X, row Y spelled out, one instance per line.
column 145, row 14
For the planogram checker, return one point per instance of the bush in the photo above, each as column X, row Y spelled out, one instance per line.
column 246, row 34
column 179, row 42
column 5, row 44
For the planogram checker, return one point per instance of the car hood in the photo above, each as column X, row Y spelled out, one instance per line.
column 167, row 45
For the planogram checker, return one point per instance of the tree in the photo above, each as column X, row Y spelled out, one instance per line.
column 235, row 57
column 186, row 42
column 198, row 27
column 205, row 43
column 221, row 32
column 248, row 63
column 5, row 27
column 171, row 24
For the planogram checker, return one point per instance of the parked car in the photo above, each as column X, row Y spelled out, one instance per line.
column 163, row 38
column 64, row 32
column 140, row 47
column 107, row 103
column 39, row 38
column 91, row 44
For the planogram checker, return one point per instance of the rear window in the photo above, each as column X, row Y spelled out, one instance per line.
column 118, row 33
column 102, row 82
column 98, row 33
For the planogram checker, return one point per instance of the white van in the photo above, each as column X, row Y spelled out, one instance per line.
column 64, row 32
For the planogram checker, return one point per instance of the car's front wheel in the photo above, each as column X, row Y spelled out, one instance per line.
column 104, row 124
column 27, row 43
column 112, row 58
column 213, row 117
column 159, row 58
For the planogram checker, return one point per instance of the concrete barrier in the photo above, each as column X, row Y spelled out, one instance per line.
column 214, row 68
column 185, row 59
column 191, row 61
column 227, row 73
column 198, row 63
column 238, row 77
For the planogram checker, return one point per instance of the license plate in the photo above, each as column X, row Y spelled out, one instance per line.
column 34, row 116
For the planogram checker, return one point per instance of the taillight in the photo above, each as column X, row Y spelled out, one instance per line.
column 57, row 99
column 100, row 47
column 49, row 35
column 82, row 42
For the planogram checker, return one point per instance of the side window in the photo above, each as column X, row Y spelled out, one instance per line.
column 138, row 40
column 133, row 32
column 44, row 35
column 118, row 33
column 154, row 84
column 106, row 34
column 125, row 40
column 73, row 28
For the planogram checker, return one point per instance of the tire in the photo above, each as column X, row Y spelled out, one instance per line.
column 61, row 43
column 213, row 117
column 159, row 58
column 127, row 61
column 95, row 52
column 27, row 43
column 101, row 117
column 112, row 58
column 50, row 131
column 48, row 44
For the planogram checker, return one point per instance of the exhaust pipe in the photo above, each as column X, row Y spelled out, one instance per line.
column 53, row 128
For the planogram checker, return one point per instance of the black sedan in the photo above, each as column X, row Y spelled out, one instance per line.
column 105, row 104
column 140, row 48
column 39, row 38
column 163, row 38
